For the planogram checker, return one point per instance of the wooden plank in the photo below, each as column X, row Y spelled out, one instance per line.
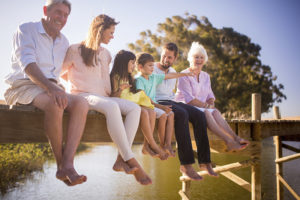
column 280, row 128
column 238, row 180
column 256, row 182
column 224, row 168
column 288, row 158
column 279, row 169
column 288, row 187
column 183, row 195
column 291, row 148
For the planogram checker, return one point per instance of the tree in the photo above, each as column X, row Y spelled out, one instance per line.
column 234, row 65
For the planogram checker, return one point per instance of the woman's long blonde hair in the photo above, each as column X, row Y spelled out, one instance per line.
column 91, row 44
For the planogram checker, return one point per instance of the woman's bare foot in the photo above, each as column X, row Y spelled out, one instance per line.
column 189, row 171
column 70, row 176
column 140, row 175
column 242, row 141
column 120, row 165
column 169, row 150
column 147, row 150
column 233, row 146
column 207, row 167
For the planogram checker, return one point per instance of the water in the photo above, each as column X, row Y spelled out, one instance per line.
column 104, row 183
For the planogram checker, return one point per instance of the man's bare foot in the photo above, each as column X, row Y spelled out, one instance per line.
column 140, row 175
column 147, row 150
column 189, row 171
column 234, row 146
column 120, row 165
column 207, row 167
column 169, row 150
column 70, row 177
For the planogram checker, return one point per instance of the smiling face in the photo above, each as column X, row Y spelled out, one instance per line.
column 147, row 69
column 55, row 18
column 198, row 60
column 108, row 34
column 131, row 66
column 167, row 58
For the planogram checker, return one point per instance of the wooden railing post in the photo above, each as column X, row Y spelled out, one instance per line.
column 278, row 154
column 256, row 169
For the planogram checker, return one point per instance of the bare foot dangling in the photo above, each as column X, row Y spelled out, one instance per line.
column 70, row 177
column 121, row 166
column 140, row 175
column 169, row 150
column 189, row 171
column 207, row 167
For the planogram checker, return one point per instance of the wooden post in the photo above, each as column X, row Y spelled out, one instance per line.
column 256, row 106
column 276, row 112
column 255, row 169
column 278, row 154
column 186, row 185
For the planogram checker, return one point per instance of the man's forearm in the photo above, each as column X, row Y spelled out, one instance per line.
column 37, row 76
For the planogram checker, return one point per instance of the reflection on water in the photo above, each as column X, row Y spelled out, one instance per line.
column 104, row 183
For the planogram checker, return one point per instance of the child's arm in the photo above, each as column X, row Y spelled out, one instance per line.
column 177, row 75
column 166, row 108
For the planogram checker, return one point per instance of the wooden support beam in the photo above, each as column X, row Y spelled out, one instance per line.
column 288, row 187
column 276, row 113
column 278, row 154
column 291, row 148
column 256, row 106
column 224, row 168
column 183, row 195
column 238, row 180
column 185, row 191
column 287, row 158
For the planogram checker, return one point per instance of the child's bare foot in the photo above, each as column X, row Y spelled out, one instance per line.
column 70, row 177
column 189, row 171
column 207, row 167
column 169, row 150
column 121, row 165
column 140, row 175
column 158, row 152
column 233, row 146
column 147, row 150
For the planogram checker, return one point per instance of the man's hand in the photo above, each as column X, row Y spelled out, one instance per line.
column 58, row 96
column 166, row 108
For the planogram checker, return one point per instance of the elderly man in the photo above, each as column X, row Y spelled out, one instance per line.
column 38, row 53
column 183, row 114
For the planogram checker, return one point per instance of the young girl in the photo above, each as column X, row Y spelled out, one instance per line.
column 147, row 81
column 123, row 86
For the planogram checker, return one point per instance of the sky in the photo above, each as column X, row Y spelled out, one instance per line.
column 273, row 24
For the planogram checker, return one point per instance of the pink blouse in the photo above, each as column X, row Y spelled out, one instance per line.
column 189, row 88
column 87, row 79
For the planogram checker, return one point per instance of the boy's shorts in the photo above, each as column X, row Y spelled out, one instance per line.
column 159, row 112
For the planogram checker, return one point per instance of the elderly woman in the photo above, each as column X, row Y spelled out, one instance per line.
column 196, row 91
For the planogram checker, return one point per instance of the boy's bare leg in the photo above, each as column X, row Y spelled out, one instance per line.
column 167, row 146
column 189, row 171
column 146, row 129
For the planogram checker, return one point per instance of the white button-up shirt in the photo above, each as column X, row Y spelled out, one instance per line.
column 165, row 90
column 31, row 44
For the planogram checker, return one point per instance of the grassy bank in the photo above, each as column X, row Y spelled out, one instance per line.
column 17, row 161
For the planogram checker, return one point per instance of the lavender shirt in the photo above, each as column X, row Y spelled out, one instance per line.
column 189, row 88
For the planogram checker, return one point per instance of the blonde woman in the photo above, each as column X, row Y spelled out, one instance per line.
column 86, row 67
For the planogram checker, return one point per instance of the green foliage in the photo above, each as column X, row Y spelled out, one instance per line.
column 234, row 65
column 17, row 161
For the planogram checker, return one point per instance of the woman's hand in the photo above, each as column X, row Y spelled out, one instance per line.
column 166, row 108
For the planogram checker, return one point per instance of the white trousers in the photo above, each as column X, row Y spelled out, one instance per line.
column 121, row 133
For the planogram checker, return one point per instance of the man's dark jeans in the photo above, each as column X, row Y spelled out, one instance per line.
column 183, row 114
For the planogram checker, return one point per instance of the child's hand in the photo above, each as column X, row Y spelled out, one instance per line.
column 124, row 86
column 167, row 108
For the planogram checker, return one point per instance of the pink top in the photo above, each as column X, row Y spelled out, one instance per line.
column 189, row 88
column 87, row 79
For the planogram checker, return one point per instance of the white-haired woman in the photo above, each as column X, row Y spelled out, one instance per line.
column 196, row 91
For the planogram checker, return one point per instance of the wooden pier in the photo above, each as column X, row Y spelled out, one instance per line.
column 24, row 124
